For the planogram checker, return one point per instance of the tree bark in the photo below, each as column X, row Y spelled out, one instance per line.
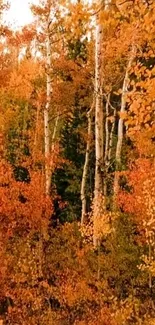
column 46, row 109
column 54, row 133
column 98, row 191
column 107, row 140
column 99, row 128
column 36, row 132
column 120, row 133
column 111, row 137
column 86, row 168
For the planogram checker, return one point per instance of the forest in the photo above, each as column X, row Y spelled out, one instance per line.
column 77, row 166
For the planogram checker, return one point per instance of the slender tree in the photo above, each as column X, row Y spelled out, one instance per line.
column 48, row 103
column 120, row 134
column 99, row 125
column 47, row 11
column 86, row 167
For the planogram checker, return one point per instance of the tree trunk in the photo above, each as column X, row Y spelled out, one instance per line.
column 46, row 110
column 107, row 140
column 54, row 133
column 86, row 168
column 120, row 134
column 98, row 191
column 99, row 128
column 36, row 133
column 111, row 137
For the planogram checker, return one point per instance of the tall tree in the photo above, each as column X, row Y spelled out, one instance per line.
column 86, row 167
column 47, row 12
column 48, row 102
column 99, row 126
column 120, row 134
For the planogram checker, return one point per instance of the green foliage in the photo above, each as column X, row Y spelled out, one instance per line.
column 68, row 179
column 77, row 49
column 122, row 257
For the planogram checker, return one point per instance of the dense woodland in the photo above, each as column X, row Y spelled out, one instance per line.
column 77, row 167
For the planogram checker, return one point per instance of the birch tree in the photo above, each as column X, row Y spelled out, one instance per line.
column 99, row 127
column 107, row 143
column 46, row 12
column 120, row 134
column 98, row 191
column 47, row 107
column 86, row 167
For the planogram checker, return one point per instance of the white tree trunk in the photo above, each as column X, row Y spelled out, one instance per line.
column 98, row 114
column 54, row 133
column 120, row 134
column 99, row 128
column 107, row 140
column 46, row 111
column 98, row 191
column 52, row 7
column 86, row 168
column 111, row 137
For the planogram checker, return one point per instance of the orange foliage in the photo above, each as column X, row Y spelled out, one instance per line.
column 23, row 206
column 141, row 199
